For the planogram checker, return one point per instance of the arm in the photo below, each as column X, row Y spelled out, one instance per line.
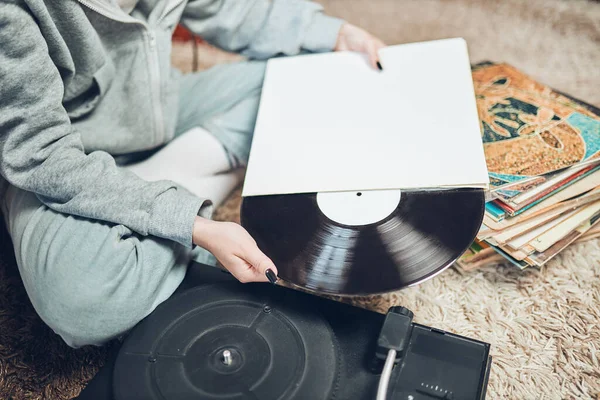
column 41, row 152
column 262, row 28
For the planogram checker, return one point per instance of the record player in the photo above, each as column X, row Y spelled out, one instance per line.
column 397, row 208
column 216, row 338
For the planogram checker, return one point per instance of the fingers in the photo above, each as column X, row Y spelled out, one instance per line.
column 260, row 263
column 238, row 252
column 251, row 265
column 244, row 272
column 354, row 38
column 373, row 47
column 372, row 54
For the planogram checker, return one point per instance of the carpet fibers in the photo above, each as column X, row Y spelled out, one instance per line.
column 543, row 324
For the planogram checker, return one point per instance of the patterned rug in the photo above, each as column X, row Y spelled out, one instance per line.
column 544, row 325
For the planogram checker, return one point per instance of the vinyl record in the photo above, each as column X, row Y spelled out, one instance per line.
column 360, row 243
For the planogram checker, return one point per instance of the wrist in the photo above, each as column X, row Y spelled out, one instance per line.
column 322, row 34
column 202, row 231
column 339, row 45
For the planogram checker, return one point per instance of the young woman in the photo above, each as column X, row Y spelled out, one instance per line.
column 86, row 87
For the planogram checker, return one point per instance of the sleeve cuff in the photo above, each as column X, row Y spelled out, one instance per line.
column 173, row 215
column 322, row 33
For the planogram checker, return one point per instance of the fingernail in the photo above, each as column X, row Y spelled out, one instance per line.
column 271, row 276
column 379, row 66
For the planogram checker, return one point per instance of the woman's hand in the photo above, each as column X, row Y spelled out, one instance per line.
column 353, row 38
column 235, row 249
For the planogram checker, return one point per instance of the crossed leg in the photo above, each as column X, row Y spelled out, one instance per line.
column 91, row 281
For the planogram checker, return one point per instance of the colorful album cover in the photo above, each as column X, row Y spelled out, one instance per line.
column 499, row 255
column 519, row 255
column 518, row 263
column 540, row 258
column 500, row 210
column 580, row 193
column 478, row 254
column 522, row 242
column 544, row 241
column 494, row 211
column 504, row 236
column 508, row 232
column 527, row 256
column 490, row 258
column 554, row 182
column 476, row 250
column 552, row 187
column 529, row 130
column 593, row 233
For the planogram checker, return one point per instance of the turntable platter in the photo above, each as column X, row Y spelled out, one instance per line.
column 227, row 342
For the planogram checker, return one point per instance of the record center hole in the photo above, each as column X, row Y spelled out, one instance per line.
column 359, row 194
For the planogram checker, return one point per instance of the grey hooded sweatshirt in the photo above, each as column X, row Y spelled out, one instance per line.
column 83, row 81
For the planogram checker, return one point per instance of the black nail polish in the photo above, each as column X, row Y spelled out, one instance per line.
column 271, row 276
column 379, row 66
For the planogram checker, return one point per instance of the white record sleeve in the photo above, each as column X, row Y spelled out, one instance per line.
column 330, row 122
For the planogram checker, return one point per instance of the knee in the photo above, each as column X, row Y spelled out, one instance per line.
column 90, row 308
column 84, row 315
column 92, row 283
column 96, row 311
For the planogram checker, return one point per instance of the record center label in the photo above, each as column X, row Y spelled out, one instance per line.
column 358, row 208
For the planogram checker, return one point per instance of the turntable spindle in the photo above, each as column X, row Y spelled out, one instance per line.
column 227, row 357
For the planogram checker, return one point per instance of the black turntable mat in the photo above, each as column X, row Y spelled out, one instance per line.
column 227, row 342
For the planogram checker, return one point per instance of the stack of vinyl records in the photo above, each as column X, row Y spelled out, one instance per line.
column 542, row 150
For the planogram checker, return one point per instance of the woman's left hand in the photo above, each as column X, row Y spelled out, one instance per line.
column 353, row 38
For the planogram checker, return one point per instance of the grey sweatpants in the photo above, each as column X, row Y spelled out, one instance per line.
column 92, row 281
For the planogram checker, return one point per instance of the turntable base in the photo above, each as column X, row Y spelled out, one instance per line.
column 216, row 338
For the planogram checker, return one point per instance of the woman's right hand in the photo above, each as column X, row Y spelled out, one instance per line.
column 234, row 248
